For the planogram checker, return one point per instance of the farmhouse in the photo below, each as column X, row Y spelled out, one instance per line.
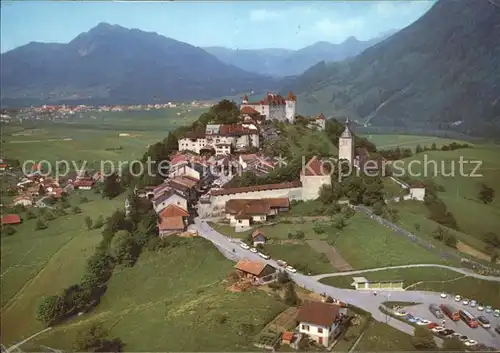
column 171, row 225
column 243, row 212
column 258, row 237
column 417, row 191
column 169, row 197
column 83, row 184
column 255, row 271
column 11, row 219
column 320, row 321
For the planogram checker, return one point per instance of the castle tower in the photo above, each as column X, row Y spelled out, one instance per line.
column 346, row 144
column 290, row 100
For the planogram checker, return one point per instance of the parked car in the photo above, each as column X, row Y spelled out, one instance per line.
column 465, row 302
column 470, row 343
column 497, row 329
column 463, row 338
column 458, row 298
column 473, row 303
column 290, row 269
column 281, row 263
column 444, row 295
column 480, row 307
column 484, row 322
column 488, row 309
column 437, row 329
column 436, row 311
column 432, row 325
column 244, row 246
column 264, row 256
column 254, row 250
column 496, row 313
column 445, row 332
column 400, row 313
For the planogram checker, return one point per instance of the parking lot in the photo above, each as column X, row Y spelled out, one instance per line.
column 481, row 335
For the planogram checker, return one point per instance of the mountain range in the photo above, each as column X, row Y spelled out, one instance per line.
column 285, row 62
column 111, row 64
column 441, row 72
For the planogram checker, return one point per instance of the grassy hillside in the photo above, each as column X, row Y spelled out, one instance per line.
column 43, row 262
column 167, row 296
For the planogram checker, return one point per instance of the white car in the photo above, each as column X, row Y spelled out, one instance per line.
column 264, row 256
column 473, row 303
column 290, row 269
column 480, row 307
column 470, row 343
column 401, row 313
column 458, row 298
column 496, row 313
column 465, row 302
column 423, row 322
column 244, row 246
column 444, row 295
column 254, row 250
column 437, row 329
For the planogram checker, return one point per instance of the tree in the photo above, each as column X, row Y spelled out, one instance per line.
column 340, row 223
column 88, row 222
column 133, row 208
column 49, row 309
column 486, row 194
column 451, row 241
column 453, row 345
column 40, row 224
column 94, row 339
column 98, row 269
column 99, row 222
column 7, row 230
column 283, row 277
column 291, row 297
column 111, row 187
column 417, row 227
column 433, row 147
column 124, row 248
column 422, row 339
column 378, row 208
column 418, row 149
column 41, row 190
column 76, row 210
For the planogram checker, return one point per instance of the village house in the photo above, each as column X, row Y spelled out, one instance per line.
column 317, row 123
column 23, row 200
column 241, row 213
column 417, row 191
column 183, row 169
column 11, row 219
column 258, row 237
column 320, row 321
column 173, row 219
column 187, row 185
column 273, row 107
column 255, row 271
column 221, row 139
column 169, row 197
column 83, row 184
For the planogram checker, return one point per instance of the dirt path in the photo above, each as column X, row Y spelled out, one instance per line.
column 466, row 249
column 331, row 253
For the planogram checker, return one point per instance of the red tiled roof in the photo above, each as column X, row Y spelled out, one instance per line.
column 246, row 207
column 83, row 183
column 178, row 159
column 417, row 184
column 173, row 211
column 286, row 185
column 248, row 110
column 171, row 223
column 11, row 219
column 287, row 336
column 315, row 167
column 257, row 233
column 278, row 202
column 318, row 313
column 253, row 267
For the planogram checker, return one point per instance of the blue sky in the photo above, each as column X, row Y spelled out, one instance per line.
column 237, row 24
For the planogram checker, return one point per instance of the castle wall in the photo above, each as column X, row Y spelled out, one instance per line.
column 312, row 184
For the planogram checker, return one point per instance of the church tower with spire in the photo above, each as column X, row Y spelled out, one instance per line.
column 346, row 144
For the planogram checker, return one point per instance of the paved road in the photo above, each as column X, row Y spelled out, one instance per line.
column 365, row 300
column 463, row 271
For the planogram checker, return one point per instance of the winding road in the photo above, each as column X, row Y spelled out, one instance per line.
column 363, row 299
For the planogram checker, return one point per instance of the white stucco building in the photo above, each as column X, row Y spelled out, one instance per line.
column 274, row 106
column 320, row 321
column 417, row 191
column 314, row 175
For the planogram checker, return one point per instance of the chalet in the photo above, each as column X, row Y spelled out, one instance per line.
column 417, row 191
column 83, row 184
column 170, row 197
column 255, row 271
column 258, row 237
column 243, row 212
column 23, row 200
column 171, row 225
column 320, row 321
column 11, row 219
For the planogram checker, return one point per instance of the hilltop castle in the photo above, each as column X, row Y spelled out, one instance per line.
column 274, row 106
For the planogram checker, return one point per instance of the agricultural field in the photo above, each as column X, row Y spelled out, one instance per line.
column 389, row 141
column 431, row 279
column 94, row 136
column 170, row 294
column 474, row 218
column 43, row 262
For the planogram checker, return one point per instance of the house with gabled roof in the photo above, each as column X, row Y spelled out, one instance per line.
column 320, row 321
column 170, row 197
column 256, row 271
column 258, row 237
column 173, row 219
column 242, row 213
